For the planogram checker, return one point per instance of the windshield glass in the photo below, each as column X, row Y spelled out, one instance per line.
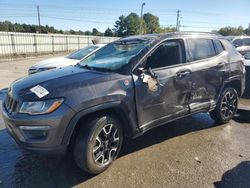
column 115, row 55
column 79, row 54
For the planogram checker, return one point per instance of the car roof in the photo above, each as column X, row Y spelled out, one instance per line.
column 161, row 36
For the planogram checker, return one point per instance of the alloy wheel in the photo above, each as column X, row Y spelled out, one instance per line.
column 106, row 145
column 229, row 104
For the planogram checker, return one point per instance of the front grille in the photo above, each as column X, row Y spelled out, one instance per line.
column 11, row 104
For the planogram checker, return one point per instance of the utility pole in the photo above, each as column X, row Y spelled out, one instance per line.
column 178, row 20
column 143, row 4
column 38, row 14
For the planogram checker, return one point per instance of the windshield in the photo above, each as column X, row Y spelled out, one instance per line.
column 79, row 54
column 115, row 55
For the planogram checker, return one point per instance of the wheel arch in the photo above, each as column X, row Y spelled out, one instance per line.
column 120, row 110
column 234, row 83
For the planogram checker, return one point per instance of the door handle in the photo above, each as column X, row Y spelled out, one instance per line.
column 182, row 74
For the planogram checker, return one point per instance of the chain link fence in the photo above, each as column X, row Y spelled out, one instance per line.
column 14, row 44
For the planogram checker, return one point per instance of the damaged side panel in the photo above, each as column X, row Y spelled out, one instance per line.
column 162, row 99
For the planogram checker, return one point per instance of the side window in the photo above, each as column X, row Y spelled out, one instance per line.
column 237, row 42
column 200, row 49
column 167, row 54
column 218, row 46
column 247, row 55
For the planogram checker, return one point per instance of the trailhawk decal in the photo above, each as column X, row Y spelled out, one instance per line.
column 39, row 91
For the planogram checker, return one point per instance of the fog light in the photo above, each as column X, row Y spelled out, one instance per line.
column 35, row 132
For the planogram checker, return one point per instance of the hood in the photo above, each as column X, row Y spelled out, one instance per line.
column 56, row 62
column 57, row 82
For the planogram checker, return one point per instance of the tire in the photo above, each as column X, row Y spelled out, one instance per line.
column 226, row 106
column 98, row 143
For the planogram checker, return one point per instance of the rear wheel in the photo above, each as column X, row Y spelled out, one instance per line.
column 226, row 107
column 98, row 145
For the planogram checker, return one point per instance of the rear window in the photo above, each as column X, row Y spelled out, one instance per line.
column 200, row 49
column 218, row 46
column 242, row 42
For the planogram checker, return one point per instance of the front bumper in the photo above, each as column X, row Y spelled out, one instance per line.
column 47, row 140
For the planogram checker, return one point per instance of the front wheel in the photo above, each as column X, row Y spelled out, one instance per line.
column 226, row 106
column 98, row 145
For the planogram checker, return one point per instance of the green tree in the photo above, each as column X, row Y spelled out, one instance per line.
column 95, row 32
column 120, row 27
column 108, row 32
column 226, row 31
column 133, row 24
column 166, row 29
column 87, row 33
column 151, row 23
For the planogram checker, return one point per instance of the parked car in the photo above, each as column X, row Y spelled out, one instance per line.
column 242, row 45
column 58, row 62
column 241, row 41
column 124, row 89
column 245, row 52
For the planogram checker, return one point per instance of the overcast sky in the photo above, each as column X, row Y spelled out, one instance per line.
column 84, row 15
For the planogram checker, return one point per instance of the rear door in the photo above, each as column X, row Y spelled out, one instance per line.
column 210, row 69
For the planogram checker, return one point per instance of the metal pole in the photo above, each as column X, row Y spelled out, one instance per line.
column 38, row 14
column 177, row 20
column 143, row 4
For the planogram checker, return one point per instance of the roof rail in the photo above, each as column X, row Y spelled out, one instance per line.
column 197, row 32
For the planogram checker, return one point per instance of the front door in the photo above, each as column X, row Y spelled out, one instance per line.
column 163, row 87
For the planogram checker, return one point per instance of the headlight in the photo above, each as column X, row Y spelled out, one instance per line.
column 40, row 107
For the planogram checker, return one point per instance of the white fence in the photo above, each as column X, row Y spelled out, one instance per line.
column 28, row 44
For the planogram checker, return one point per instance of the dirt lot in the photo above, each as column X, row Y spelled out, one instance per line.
column 191, row 152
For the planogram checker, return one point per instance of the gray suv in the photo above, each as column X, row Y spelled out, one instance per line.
column 123, row 90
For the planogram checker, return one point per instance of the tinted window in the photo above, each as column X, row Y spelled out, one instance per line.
column 200, row 49
column 237, row 42
column 218, row 46
column 167, row 54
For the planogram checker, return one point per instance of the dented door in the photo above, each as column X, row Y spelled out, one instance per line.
column 164, row 98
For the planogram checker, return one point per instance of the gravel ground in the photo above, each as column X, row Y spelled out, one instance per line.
column 190, row 152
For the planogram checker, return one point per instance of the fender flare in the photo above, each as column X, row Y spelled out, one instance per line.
column 131, row 127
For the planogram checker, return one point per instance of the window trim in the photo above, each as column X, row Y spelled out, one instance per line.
column 216, row 50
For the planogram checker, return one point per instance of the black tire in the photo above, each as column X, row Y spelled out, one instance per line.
column 98, row 140
column 226, row 106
